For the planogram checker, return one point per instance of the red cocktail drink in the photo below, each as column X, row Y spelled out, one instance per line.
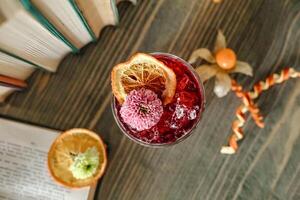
column 180, row 116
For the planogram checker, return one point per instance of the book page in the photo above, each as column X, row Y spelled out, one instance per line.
column 23, row 165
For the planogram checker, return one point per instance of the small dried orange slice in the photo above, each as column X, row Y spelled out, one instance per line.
column 68, row 144
column 143, row 71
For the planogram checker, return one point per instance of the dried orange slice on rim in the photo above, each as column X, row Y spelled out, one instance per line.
column 143, row 71
column 62, row 151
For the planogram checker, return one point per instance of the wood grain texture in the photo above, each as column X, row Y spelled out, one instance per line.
column 265, row 33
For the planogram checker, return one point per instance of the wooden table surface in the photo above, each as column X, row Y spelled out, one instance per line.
column 265, row 33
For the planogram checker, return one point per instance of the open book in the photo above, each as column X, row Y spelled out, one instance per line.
column 23, row 165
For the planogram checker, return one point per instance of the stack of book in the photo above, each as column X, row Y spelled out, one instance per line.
column 39, row 33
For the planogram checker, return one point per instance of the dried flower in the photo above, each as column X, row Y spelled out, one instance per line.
column 142, row 109
column 223, row 61
column 85, row 164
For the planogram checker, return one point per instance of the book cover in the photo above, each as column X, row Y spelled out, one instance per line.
column 42, row 20
column 115, row 11
column 83, row 20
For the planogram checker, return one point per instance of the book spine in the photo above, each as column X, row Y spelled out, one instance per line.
column 83, row 20
column 5, row 80
column 44, row 22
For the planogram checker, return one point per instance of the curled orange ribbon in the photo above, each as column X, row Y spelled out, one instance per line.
column 249, row 106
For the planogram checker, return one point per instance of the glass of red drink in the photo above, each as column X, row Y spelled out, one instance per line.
column 180, row 117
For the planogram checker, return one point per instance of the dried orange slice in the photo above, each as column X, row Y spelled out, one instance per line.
column 61, row 156
column 143, row 71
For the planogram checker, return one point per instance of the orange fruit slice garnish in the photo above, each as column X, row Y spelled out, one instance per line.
column 143, row 71
column 68, row 144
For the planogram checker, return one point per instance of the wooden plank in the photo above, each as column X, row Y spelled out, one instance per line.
column 267, row 166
